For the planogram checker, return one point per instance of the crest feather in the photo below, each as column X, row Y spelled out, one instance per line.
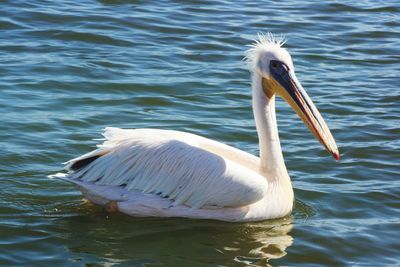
column 263, row 40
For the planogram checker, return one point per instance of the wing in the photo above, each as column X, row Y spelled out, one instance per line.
column 185, row 168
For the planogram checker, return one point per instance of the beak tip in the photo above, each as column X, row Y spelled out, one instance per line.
column 336, row 155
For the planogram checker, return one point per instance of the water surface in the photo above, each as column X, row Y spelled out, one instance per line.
column 70, row 68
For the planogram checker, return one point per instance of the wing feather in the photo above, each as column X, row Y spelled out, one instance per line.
column 182, row 167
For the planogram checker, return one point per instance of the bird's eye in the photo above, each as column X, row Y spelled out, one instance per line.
column 274, row 64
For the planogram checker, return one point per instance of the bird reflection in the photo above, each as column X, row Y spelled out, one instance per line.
column 261, row 242
column 273, row 246
column 104, row 238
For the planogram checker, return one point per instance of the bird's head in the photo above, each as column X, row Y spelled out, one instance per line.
column 274, row 66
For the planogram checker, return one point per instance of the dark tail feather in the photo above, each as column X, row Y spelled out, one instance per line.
column 83, row 163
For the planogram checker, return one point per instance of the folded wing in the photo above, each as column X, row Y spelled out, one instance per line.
column 185, row 168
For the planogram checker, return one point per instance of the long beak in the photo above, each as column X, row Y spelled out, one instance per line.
column 290, row 89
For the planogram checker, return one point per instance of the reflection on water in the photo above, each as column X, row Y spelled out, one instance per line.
column 70, row 68
column 119, row 238
column 269, row 241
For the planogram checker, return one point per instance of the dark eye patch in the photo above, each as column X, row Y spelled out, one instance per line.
column 278, row 67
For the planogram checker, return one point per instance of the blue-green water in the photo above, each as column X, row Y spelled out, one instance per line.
column 70, row 68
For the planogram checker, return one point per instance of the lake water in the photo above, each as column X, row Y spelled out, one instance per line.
column 70, row 68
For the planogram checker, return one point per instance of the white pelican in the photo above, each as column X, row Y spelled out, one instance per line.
column 164, row 173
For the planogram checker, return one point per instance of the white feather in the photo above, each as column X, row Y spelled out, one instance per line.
column 163, row 173
column 173, row 165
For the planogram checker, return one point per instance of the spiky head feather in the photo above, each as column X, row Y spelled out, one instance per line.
column 264, row 41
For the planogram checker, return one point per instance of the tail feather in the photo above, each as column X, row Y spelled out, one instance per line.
column 77, row 165
column 113, row 136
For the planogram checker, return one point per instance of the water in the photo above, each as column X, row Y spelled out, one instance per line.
column 70, row 68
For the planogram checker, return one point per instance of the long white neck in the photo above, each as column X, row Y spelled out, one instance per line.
column 271, row 158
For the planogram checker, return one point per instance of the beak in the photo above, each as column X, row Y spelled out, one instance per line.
column 289, row 88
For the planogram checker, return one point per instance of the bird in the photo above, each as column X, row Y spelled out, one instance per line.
column 166, row 173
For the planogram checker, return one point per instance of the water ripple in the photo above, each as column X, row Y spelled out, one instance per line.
column 69, row 69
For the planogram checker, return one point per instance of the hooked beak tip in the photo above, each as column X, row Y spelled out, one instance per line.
column 336, row 155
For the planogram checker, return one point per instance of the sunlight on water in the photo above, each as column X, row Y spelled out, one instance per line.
column 69, row 69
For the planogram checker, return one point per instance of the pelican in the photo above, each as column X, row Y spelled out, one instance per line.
column 166, row 173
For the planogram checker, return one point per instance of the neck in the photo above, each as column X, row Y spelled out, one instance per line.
column 271, row 158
